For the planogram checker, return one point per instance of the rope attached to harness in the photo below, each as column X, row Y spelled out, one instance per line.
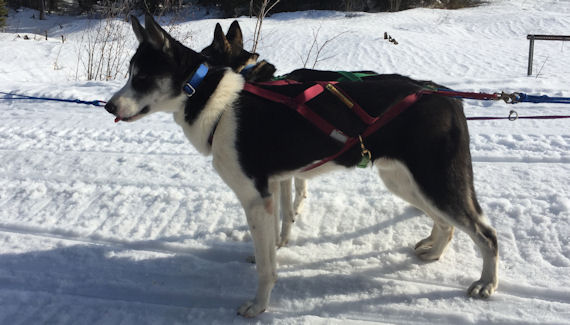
column 509, row 98
column 9, row 96
column 524, row 98
column 512, row 98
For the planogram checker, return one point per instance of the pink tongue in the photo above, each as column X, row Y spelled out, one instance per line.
column 117, row 119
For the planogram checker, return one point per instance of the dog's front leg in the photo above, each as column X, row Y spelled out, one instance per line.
column 258, row 210
column 262, row 228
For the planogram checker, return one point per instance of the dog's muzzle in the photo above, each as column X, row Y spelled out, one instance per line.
column 111, row 108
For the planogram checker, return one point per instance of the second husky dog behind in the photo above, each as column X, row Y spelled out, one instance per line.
column 228, row 50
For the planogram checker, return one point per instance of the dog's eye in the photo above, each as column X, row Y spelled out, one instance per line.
column 140, row 81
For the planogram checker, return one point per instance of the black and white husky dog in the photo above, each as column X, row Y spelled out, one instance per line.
column 422, row 155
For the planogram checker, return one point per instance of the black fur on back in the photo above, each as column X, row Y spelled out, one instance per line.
column 430, row 137
column 305, row 75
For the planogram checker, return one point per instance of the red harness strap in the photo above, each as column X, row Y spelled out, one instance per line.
column 298, row 103
column 380, row 121
column 463, row 94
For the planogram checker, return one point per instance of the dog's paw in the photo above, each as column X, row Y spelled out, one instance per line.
column 481, row 289
column 251, row 309
column 426, row 251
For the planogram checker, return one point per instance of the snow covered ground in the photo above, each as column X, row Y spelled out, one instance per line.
column 104, row 223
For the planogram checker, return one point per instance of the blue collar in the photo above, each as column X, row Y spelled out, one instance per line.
column 246, row 69
column 195, row 81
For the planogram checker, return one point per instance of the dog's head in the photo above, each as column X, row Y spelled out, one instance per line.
column 158, row 72
column 227, row 50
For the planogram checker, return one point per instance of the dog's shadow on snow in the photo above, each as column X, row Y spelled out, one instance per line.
column 188, row 281
column 409, row 213
column 127, row 282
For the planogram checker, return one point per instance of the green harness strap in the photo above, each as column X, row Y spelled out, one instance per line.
column 344, row 76
column 283, row 77
column 348, row 76
column 352, row 76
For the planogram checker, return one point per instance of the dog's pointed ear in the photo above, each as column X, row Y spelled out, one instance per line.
column 140, row 32
column 220, row 41
column 157, row 36
column 235, row 36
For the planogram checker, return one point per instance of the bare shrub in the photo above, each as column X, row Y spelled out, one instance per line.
column 458, row 4
column 176, row 14
column 444, row 4
column 314, row 54
column 264, row 8
column 102, row 52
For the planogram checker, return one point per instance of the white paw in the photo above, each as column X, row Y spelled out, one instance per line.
column 251, row 309
column 426, row 251
column 298, row 206
column 481, row 289
column 285, row 231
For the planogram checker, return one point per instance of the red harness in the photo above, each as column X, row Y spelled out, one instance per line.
column 299, row 104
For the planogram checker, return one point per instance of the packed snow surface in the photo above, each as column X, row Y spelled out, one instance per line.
column 104, row 223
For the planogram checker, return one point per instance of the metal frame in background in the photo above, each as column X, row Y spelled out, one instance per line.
column 533, row 37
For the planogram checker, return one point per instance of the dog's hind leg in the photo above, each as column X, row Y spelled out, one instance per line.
column 286, row 211
column 468, row 217
column 399, row 181
column 300, row 195
column 486, row 238
column 472, row 221
column 432, row 247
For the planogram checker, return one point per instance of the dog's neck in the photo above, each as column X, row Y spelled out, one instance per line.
column 204, row 109
column 195, row 80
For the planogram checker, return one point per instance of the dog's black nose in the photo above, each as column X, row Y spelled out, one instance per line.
column 111, row 108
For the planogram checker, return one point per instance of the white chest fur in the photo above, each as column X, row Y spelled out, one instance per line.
column 223, row 98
